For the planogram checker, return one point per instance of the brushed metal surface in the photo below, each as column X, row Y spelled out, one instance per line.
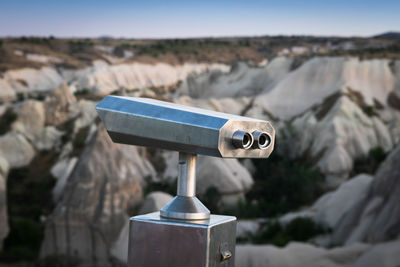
column 149, row 122
column 155, row 241
column 185, row 208
column 187, row 175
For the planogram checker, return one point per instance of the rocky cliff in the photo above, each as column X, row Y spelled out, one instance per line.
column 364, row 216
column 329, row 111
column 345, row 106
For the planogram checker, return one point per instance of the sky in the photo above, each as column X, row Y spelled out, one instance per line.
column 187, row 19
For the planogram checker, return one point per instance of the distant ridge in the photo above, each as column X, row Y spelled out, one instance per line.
column 388, row 35
column 106, row 37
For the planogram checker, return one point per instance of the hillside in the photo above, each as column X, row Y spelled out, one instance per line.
column 36, row 52
column 66, row 191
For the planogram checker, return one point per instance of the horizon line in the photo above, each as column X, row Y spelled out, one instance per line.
column 106, row 36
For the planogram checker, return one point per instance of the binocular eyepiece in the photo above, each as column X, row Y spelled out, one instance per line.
column 254, row 140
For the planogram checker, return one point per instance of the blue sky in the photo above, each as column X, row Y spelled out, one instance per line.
column 173, row 18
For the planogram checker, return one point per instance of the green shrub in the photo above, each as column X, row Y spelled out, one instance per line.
column 281, row 185
column 79, row 141
column 82, row 92
column 59, row 260
column 40, row 98
column 6, row 120
column 211, row 199
column 29, row 196
column 300, row 229
column 20, row 97
column 163, row 186
column 23, row 242
column 370, row 163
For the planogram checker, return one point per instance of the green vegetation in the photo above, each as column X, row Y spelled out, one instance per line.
column 163, row 186
column 59, row 260
column 394, row 100
column 6, row 120
column 79, row 46
column 29, row 198
column 40, row 98
column 281, row 185
column 370, row 163
column 82, row 92
column 34, row 40
column 185, row 45
column 79, row 141
column 23, row 241
column 20, row 97
column 300, row 229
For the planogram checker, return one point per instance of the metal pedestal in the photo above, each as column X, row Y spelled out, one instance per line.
column 183, row 233
column 158, row 242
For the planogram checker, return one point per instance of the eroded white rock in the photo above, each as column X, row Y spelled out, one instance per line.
column 16, row 150
column 331, row 207
column 4, row 228
column 154, row 202
column 227, row 176
column 298, row 254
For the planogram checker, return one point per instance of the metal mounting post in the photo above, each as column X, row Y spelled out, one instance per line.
column 186, row 206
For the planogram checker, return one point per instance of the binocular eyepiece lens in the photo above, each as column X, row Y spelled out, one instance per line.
column 261, row 140
column 242, row 139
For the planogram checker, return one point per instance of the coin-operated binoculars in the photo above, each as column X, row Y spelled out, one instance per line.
column 183, row 233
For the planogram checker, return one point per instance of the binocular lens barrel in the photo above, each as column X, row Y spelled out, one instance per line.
column 242, row 139
column 261, row 140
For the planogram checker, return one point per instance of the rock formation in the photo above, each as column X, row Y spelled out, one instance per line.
column 154, row 202
column 100, row 78
column 321, row 77
column 60, row 106
column 333, row 206
column 230, row 178
column 330, row 110
column 376, row 216
column 31, row 124
column 3, row 201
column 300, row 254
column 16, row 150
column 227, row 176
column 105, row 184
column 342, row 104
column 242, row 80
